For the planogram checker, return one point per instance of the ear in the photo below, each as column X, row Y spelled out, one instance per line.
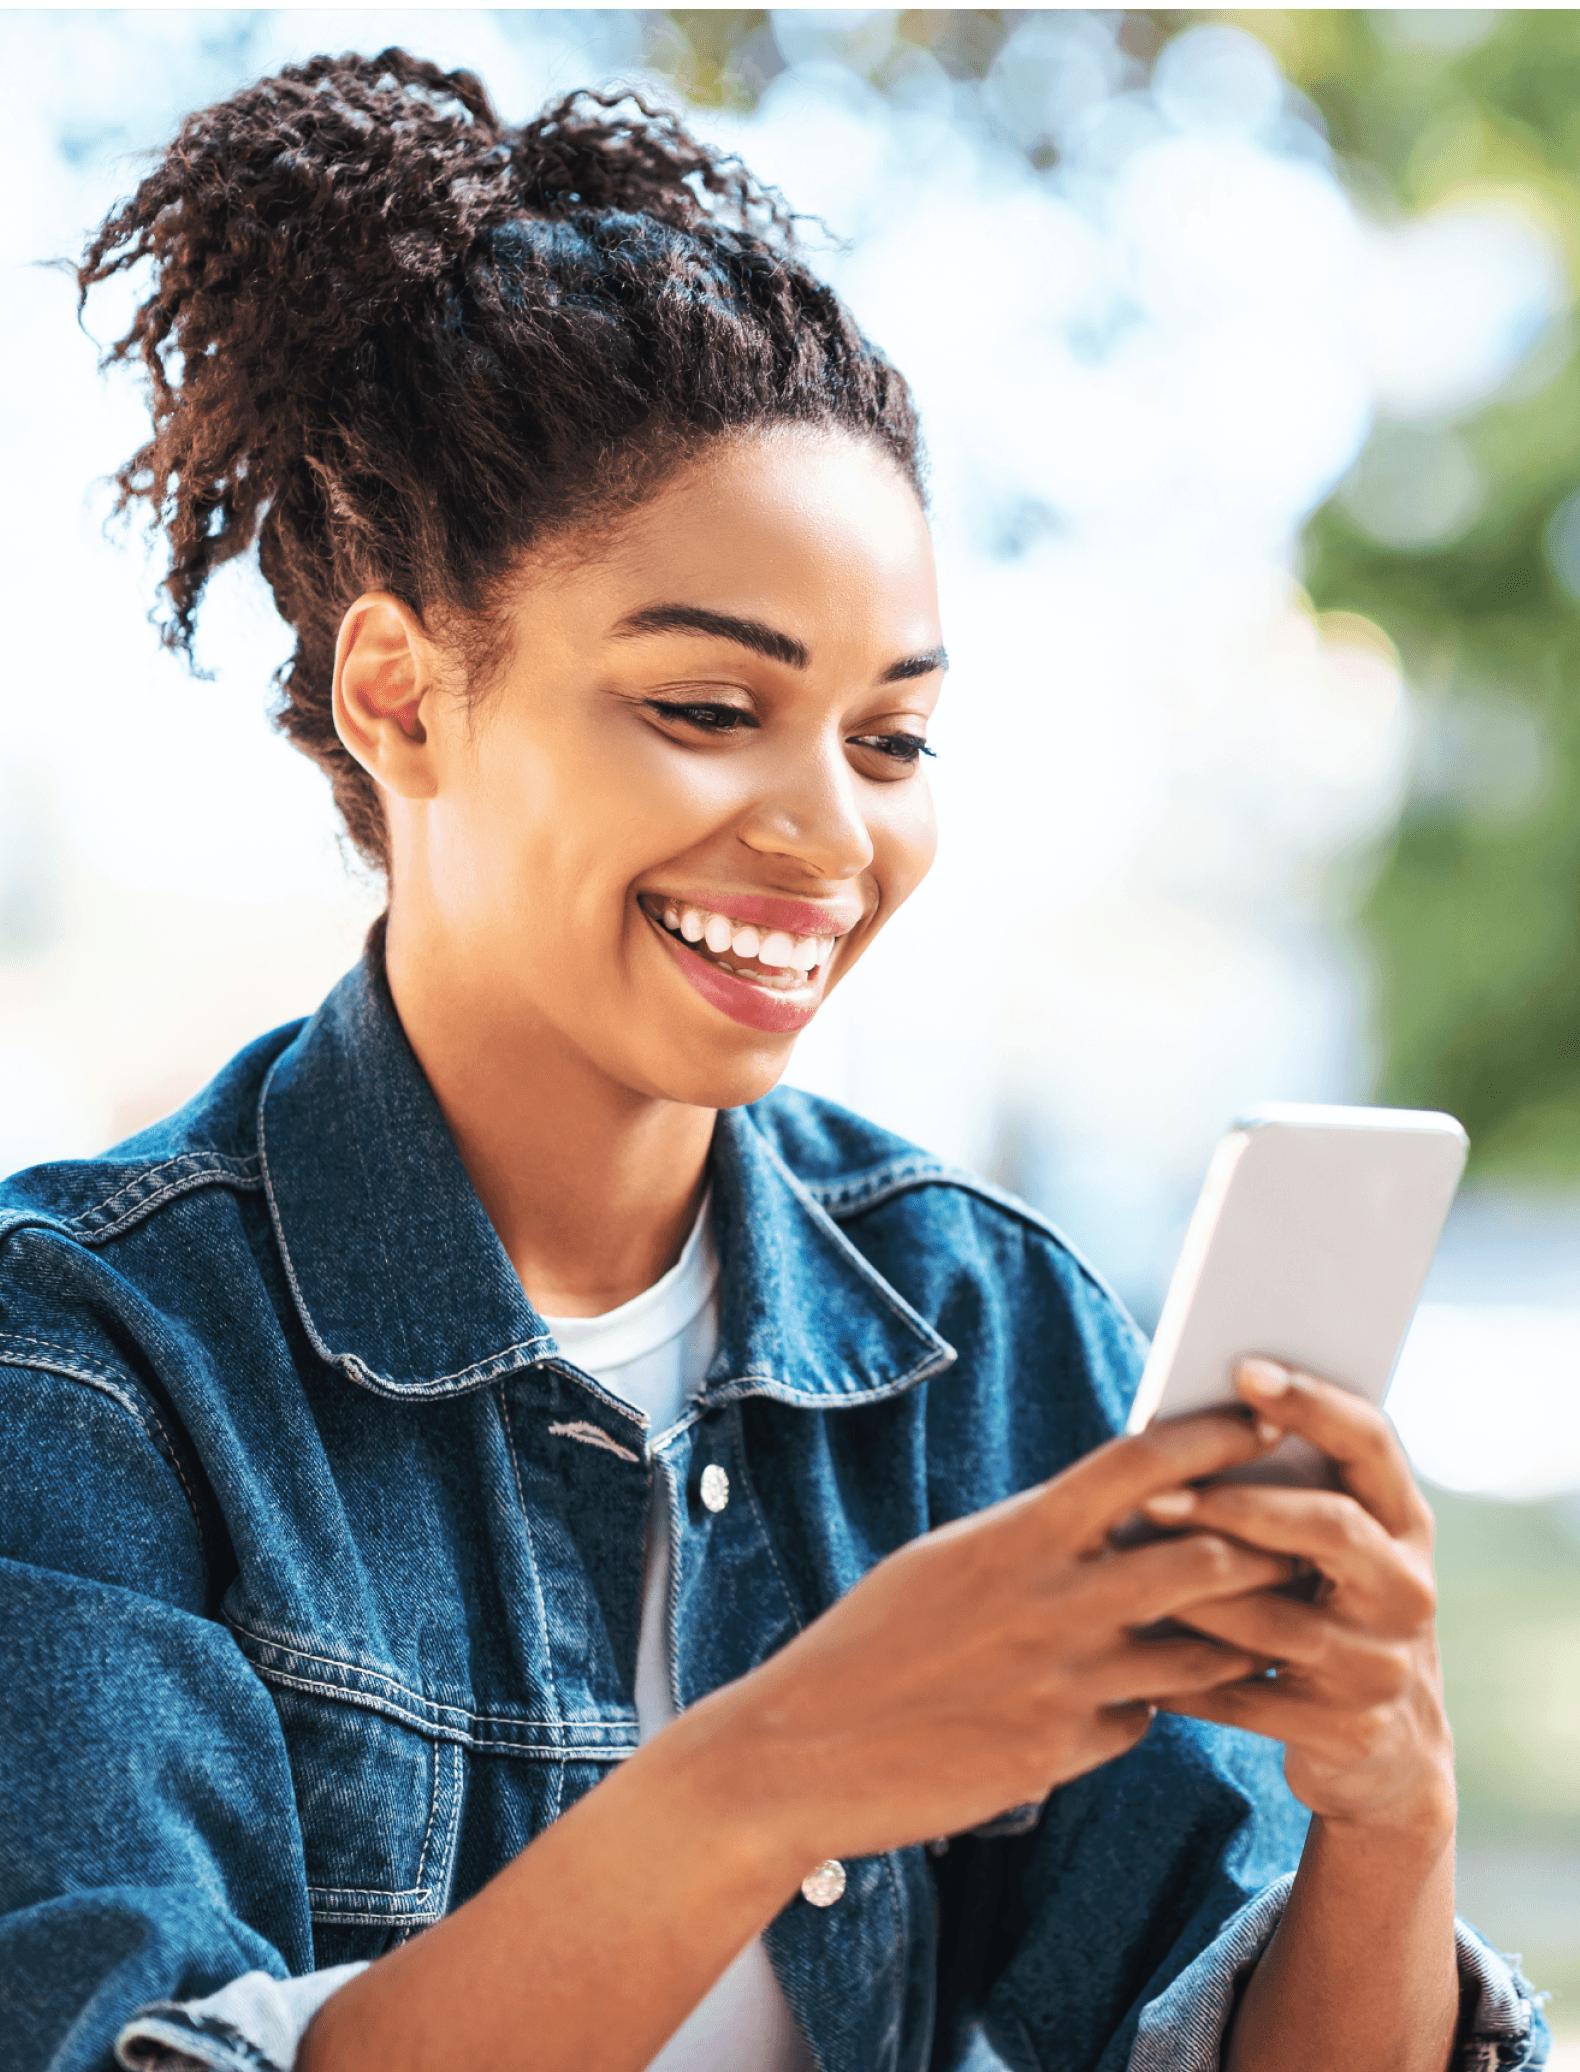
column 385, row 667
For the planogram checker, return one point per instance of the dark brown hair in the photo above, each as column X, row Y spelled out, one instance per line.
column 397, row 342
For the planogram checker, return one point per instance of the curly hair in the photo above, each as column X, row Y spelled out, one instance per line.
column 395, row 343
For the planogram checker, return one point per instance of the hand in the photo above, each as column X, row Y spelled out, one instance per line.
column 985, row 1663
column 1357, row 1697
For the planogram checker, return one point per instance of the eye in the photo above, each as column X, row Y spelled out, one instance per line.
column 707, row 719
column 904, row 749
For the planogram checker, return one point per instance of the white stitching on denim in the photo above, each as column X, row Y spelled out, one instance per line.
column 477, row 1375
column 592, row 1435
column 739, row 1387
column 303, row 1653
column 871, row 1190
column 104, row 1383
column 743, row 1466
column 502, row 1410
column 879, row 1286
column 427, row 1832
column 446, row 1879
column 221, row 1171
column 341, row 1696
column 368, row 1892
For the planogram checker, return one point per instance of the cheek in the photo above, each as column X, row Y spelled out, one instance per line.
column 904, row 841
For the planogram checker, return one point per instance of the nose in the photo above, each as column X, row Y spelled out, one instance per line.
column 811, row 814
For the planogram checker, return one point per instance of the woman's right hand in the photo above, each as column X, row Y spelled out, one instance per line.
column 971, row 1671
column 985, row 1663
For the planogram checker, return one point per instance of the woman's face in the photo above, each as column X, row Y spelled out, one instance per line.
column 695, row 791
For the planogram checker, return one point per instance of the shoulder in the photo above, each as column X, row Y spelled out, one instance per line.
column 855, row 1170
column 1048, row 1358
column 110, row 1270
column 211, row 1143
column 108, row 1264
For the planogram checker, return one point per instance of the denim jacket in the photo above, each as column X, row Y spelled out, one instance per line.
column 322, row 1579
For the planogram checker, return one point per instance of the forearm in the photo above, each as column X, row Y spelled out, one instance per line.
column 1361, row 1975
column 592, row 1947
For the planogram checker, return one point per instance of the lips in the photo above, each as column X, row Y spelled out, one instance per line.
column 747, row 962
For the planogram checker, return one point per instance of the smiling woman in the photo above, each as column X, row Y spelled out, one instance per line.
column 495, row 1466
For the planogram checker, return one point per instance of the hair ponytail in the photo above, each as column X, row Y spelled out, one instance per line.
column 392, row 342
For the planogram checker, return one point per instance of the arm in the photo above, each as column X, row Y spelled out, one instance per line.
column 150, row 1845
column 904, row 1712
column 1361, row 1971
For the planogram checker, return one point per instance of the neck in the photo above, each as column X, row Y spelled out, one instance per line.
column 591, row 1187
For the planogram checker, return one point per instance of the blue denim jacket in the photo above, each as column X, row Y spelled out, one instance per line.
column 322, row 1579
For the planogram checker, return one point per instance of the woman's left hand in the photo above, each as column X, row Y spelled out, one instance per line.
column 1357, row 1694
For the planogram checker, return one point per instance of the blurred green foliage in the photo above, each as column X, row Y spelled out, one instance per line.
column 1474, row 915
column 1473, row 912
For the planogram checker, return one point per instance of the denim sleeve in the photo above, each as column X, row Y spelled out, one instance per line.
column 1182, row 2030
column 149, row 1845
column 254, row 2024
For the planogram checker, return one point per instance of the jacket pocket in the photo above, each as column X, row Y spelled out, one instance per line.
column 380, row 1810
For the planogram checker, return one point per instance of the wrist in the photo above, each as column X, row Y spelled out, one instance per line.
column 1415, row 1825
column 717, row 1777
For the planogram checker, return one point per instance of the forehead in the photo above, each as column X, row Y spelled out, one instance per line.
column 816, row 533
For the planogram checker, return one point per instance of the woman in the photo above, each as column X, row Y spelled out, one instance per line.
column 492, row 1390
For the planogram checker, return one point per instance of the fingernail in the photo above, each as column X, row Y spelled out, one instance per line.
column 1173, row 1503
column 1269, row 1434
column 1262, row 1378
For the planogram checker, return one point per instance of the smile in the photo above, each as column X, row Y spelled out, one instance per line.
column 768, row 956
column 765, row 978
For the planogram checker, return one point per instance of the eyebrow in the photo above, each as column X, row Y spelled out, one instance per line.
column 756, row 636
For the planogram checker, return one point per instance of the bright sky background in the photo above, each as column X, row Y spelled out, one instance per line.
column 1159, row 775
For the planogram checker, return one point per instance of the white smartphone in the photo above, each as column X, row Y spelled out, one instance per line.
column 1310, row 1244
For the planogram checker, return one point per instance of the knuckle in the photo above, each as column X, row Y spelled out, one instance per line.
column 1212, row 1559
column 1394, row 1673
column 1373, row 1732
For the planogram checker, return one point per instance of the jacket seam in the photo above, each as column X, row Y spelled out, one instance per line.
column 417, row 1699
column 502, row 1411
column 210, row 1169
column 755, row 1501
column 223, row 1172
column 120, row 1389
column 889, row 1296
column 884, row 1183
column 368, row 1702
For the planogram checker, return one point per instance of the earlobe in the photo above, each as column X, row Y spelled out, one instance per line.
column 385, row 667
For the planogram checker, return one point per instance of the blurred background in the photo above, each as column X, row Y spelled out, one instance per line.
column 1245, row 347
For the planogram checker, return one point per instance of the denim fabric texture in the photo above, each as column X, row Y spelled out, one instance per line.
column 322, row 1567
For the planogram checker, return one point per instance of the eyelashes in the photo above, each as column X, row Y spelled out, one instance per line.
column 722, row 720
column 899, row 748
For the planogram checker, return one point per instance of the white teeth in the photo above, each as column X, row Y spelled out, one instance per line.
column 776, row 948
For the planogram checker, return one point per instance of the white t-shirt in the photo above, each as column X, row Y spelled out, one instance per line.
column 654, row 1352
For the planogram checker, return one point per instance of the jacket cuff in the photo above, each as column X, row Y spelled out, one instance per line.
column 252, row 2025
column 1182, row 2030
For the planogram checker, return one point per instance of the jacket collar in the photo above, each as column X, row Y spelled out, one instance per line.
column 402, row 1283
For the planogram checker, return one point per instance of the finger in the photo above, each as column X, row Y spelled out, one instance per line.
column 1262, row 1707
column 1078, row 1507
column 1150, row 1670
column 1170, row 1576
column 1328, row 1655
column 1348, row 1429
column 1324, row 1527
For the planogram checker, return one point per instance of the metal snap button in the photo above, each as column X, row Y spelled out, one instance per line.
column 714, row 1488
column 824, row 1885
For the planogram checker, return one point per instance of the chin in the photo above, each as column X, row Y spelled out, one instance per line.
column 728, row 1082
